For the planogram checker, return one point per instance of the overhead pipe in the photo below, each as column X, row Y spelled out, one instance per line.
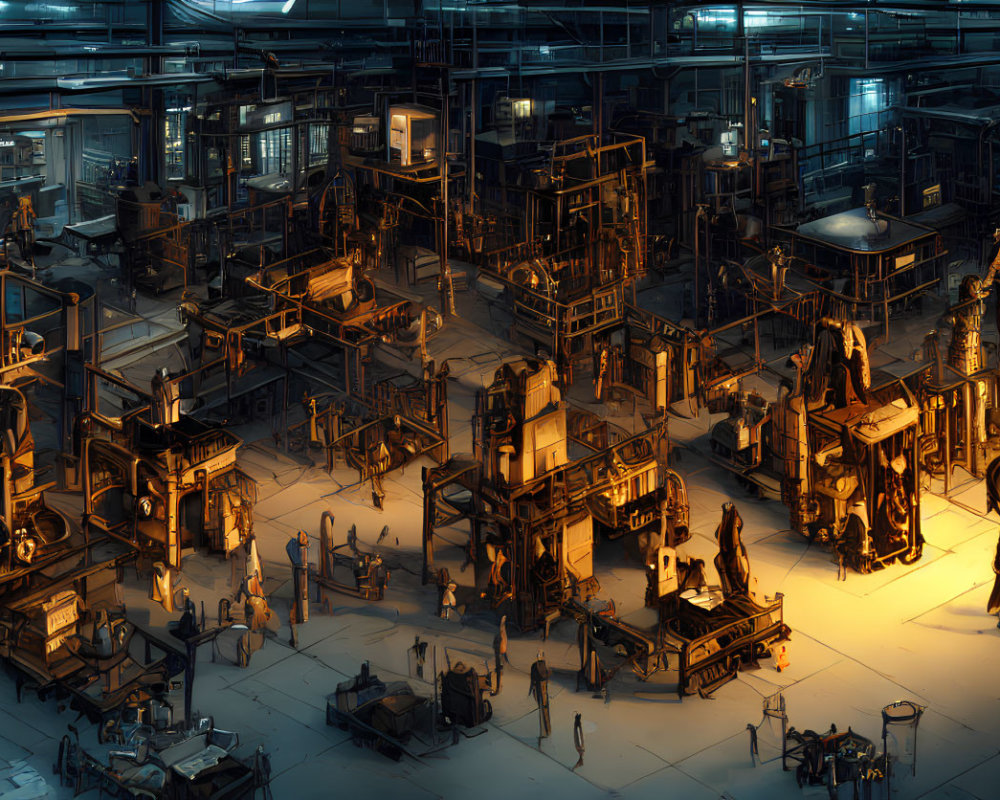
column 31, row 116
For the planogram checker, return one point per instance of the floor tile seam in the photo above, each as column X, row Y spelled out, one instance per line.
column 955, row 502
column 283, row 693
column 952, row 779
column 45, row 738
column 705, row 749
column 952, row 599
column 514, row 720
column 666, row 765
column 935, row 711
column 551, row 757
column 27, row 724
column 321, row 753
column 259, row 672
column 696, row 779
column 909, row 572
column 861, row 663
column 656, row 771
column 990, row 532
column 666, row 762
column 278, row 711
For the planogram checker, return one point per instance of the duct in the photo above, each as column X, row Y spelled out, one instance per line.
column 63, row 113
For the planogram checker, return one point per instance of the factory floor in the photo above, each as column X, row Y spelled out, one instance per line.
column 915, row 633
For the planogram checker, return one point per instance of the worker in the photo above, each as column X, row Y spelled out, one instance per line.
column 187, row 626
column 539, row 688
column 448, row 601
column 578, row 739
column 500, row 652
column 298, row 553
column 378, row 492
column 22, row 225
column 258, row 613
column 373, row 582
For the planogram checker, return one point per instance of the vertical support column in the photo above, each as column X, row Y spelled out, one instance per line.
column 967, row 405
column 947, row 449
column 201, row 476
column 902, row 168
column 172, row 522
column 73, row 390
column 866, row 38
column 150, row 133
column 446, row 289
column 284, row 392
column 473, row 123
column 192, row 657
column 427, row 532
column 474, row 111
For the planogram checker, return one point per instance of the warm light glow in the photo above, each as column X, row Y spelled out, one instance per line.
column 520, row 109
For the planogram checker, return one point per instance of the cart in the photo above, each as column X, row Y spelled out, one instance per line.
column 175, row 764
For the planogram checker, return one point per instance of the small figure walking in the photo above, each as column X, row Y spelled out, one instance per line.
column 539, row 688
column 298, row 553
column 578, row 739
column 448, row 599
column 500, row 652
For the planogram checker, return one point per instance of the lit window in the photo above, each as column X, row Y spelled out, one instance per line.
column 174, row 123
column 867, row 100
column 319, row 137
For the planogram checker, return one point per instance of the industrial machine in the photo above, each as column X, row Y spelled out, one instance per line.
column 544, row 482
column 851, row 460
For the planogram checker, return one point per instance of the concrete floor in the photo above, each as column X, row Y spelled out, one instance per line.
column 917, row 633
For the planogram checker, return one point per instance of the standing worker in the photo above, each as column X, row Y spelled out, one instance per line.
column 500, row 652
column 578, row 739
column 256, row 611
column 23, row 225
column 540, row 690
column 448, row 600
column 298, row 553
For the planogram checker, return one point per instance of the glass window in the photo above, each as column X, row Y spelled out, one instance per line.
column 174, row 122
column 319, row 137
column 246, row 154
column 36, row 303
column 867, row 100
column 718, row 18
column 13, row 303
column 275, row 148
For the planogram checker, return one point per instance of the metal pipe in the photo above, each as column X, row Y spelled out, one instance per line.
column 866, row 38
column 902, row 170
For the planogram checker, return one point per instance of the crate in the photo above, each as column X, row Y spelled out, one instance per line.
column 60, row 612
column 397, row 715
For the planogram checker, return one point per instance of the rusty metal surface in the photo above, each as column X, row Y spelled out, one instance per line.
column 855, row 232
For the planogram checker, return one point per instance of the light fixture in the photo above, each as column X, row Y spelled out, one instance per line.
column 268, row 5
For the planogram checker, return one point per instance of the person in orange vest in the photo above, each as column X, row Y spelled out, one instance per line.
column 781, row 661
